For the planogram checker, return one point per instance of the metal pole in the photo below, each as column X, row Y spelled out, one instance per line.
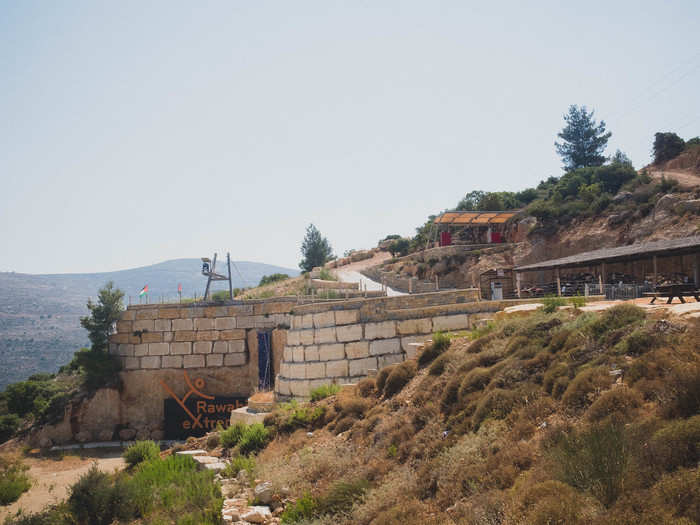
column 230, row 287
column 558, row 281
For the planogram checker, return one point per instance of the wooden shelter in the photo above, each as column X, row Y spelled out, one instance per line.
column 473, row 227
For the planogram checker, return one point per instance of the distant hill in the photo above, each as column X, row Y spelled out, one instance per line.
column 40, row 314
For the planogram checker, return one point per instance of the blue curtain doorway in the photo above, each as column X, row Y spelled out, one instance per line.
column 265, row 377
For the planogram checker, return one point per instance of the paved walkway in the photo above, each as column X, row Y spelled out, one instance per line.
column 350, row 273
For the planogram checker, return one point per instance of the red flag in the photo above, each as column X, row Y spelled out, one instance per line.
column 179, row 288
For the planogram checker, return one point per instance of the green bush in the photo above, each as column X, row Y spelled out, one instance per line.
column 275, row 277
column 237, row 464
column 341, row 496
column 96, row 500
column 52, row 515
column 677, row 444
column 580, row 392
column 291, row 416
column 100, row 369
column 683, row 384
column 140, row 451
column 593, row 459
column 619, row 402
column 13, row 481
column 324, row 391
column 254, row 438
column 477, row 379
column 399, row 377
column 496, row 404
column 232, row 435
column 305, row 508
column 438, row 366
column 551, row 303
column 9, row 424
column 577, row 301
column 614, row 318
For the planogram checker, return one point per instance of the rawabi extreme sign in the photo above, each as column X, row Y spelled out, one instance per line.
column 197, row 413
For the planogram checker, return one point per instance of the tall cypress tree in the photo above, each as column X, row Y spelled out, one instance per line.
column 584, row 141
column 315, row 249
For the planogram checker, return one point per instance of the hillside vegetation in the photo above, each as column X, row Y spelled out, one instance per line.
column 568, row 417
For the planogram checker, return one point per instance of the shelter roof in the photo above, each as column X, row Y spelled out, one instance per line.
column 461, row 218
column 680, row 246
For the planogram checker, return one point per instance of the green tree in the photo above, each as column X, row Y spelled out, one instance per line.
column 315, row 249
column 275, row 277
column 399, row 247
column 103, row 315
column 583, row 140
column 667, row 146
column 620, row 157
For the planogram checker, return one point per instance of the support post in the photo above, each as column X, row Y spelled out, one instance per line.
column 517, row 283
column 656, row 271
column 600, row 284
column 695, row 270
column 556, row 270
column 230, row 286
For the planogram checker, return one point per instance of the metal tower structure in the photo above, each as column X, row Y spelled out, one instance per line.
column 209, row 270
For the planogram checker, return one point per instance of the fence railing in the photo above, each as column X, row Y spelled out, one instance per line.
column 620, row 291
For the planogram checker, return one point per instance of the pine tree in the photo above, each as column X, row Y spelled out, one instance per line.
column 315, row 249
column 584, row 141
column 103, row 315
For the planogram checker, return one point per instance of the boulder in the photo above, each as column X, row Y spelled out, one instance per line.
column 264, row 492
column 257, row 514
column 157, row 435
column 666, row 203
column 127, row 434
column 622, row 196
column 242, row 477
column 105, row 435
column 692, row 206
column 232, row 512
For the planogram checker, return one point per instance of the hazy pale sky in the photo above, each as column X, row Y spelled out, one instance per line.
column 135, row 132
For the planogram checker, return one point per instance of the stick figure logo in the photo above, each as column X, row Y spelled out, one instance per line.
column 196, row 389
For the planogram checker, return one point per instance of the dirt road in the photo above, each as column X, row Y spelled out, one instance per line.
column 685, row 179
column 52, row 477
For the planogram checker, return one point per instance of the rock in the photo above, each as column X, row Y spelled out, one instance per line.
column 242, row 477
column 216, row 467
column 622, row 196
column 666, row 203
column 692, row 206
column 285, row 491
column 232, row 512
column 127, row 434
column 264, row 492
column 105, row 435
column 142, row 434
column 45, row 442
column 157, row 435
column 257, row 514
column 197, row 452
column 83, row 436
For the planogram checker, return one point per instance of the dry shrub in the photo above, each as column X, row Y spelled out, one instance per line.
column 438, row 366
column 679, row 493
column 556, row 380
column 481, row 343
column 398, row 488
column 496, row 404
column 366, row 387
column 486, row 508
column 537, row 410
column 612, row 319
column 676, row 445
column 583, row 388
column 399, row 377
column 351, row 406
column 503, row 464
column 522, row 430
column 558, row 340
column 382, row 376
column 450, row 395
column 621, row 403
column 552, row 502
column 343, row 424
column 683, row 385
column 475, row 380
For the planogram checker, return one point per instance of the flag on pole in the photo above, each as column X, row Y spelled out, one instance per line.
column 179, row 288
column 143, row 291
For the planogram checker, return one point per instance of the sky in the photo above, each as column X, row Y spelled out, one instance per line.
column 135, row 132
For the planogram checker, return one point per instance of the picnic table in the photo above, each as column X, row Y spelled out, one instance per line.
column 674, row 290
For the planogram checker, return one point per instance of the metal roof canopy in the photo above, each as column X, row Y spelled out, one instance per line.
column 461, row 218
column 671, row 247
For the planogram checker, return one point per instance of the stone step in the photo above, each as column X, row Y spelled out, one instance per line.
column 191, row 453
column 245, row 415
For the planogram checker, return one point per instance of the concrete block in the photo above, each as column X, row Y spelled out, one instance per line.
column 240, row 309
column 162, row 325
column 357, row 349
column 389, row 359
column 296, row 323
column 168, row 337
column 298, row 354
column 287, row 354
column 150, row 361
column 132, row 363
column 324, row 335
column 307, row 321
column 125, row 350
column 228, row 335
column 246, row 321
column 220, row 347
column 125, row 326
column 180, row 348
column 171, row 361
column 215, row 360
column 306, row 337
column 140, row 350
column 385, row 346
column 193, row 361
column 331, row 352
column 451, row 322
column 151, row 337
column 202, row 347
column 300, row 388
column 311, row 353
column 215, row 311
column 234, row 359
column 146, row 324
column 128, row 315
column 347, row 317
column 182, row 324
column 207, row 335
column 204, row 323
column 315, row 370
column 169, row 313
column 282, row 387
column 146, row 313
column 337, row 368
column 351, row 332
column 236, row 347
column 158, row 349
column 297, row 371
column 185, row 335
column 293, row 338
column 415, row 326
column 359, row 367
column 225, row 323
column 323, row 319
column 383, row 330
column 407, row 341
